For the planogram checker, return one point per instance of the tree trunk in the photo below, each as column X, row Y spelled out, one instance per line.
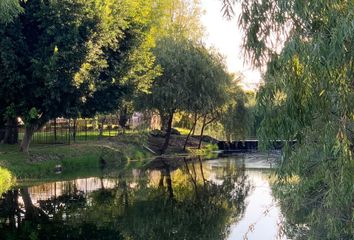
column 32, row 212
column 164, row 121
column 75, row 129
column 29, row 131
column 194, row 181
column 169, row 183
column 201, row 133
column 193, row 132
column 11, row 131
column 13, row 212
column 201, row 170
column 161, row 179
column 101, row 182
column 190, row 132
column 102, row 127
column 123, row 119
column 168, row 134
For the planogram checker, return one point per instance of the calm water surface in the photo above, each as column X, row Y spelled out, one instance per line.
column 184, row 198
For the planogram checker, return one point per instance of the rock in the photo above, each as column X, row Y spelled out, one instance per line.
column 58, row 169
column 175, row 131
column 157, row 133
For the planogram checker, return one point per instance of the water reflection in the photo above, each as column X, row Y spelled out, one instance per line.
column 183, row 198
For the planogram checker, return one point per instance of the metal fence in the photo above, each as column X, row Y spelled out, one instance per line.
column 66, row 131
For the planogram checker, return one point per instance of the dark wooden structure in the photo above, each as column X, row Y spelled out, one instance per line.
column 248, row 145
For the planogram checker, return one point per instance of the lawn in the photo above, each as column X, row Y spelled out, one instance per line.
column 80, row 157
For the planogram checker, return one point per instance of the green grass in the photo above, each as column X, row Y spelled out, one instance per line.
column 76, row 159
column 80, row 159
column 183, row 131
column 42, row 159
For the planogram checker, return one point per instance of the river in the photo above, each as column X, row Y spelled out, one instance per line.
column 229, row 197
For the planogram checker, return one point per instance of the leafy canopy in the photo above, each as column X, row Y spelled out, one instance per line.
column 308, row 96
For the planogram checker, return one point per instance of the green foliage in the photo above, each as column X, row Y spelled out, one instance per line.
column 308, row 96
column 10, row 112
column 9, row 9
column 125, row 60
column 208, row 151
column 169, row 91
column 235, row 118
column 179, row 19
column 71, row 58
column 42, row 49
column 6, row 180
column 192, row 78
column 209, row 85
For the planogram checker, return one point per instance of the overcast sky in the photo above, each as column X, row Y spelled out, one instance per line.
column 226, row 36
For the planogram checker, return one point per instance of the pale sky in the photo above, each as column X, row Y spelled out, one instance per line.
column 226, row 37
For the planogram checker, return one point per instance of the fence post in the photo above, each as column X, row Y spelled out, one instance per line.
column 74, row 132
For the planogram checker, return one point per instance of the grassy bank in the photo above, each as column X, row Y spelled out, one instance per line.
column 74, row 159
column 84, row 159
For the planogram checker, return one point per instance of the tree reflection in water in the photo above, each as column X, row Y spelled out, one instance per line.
column 163, row 201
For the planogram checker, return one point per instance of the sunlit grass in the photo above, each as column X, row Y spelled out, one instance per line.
column 183, row 131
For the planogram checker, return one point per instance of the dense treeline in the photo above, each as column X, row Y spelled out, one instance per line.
column 308, row 95
column 83, row 58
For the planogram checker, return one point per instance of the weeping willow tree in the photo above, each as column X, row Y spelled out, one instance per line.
column 308, row 96
column 9, row 9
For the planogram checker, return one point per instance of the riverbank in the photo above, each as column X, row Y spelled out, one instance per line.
column 88, row 158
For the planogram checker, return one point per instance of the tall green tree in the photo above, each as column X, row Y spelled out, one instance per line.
column 208, row 89
column 234, row 118
column 192, row 80
column 308, row 95
column 125, row 60
column 41, row 49
column 72, row 57
column 179, row 18
column 168, row 91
